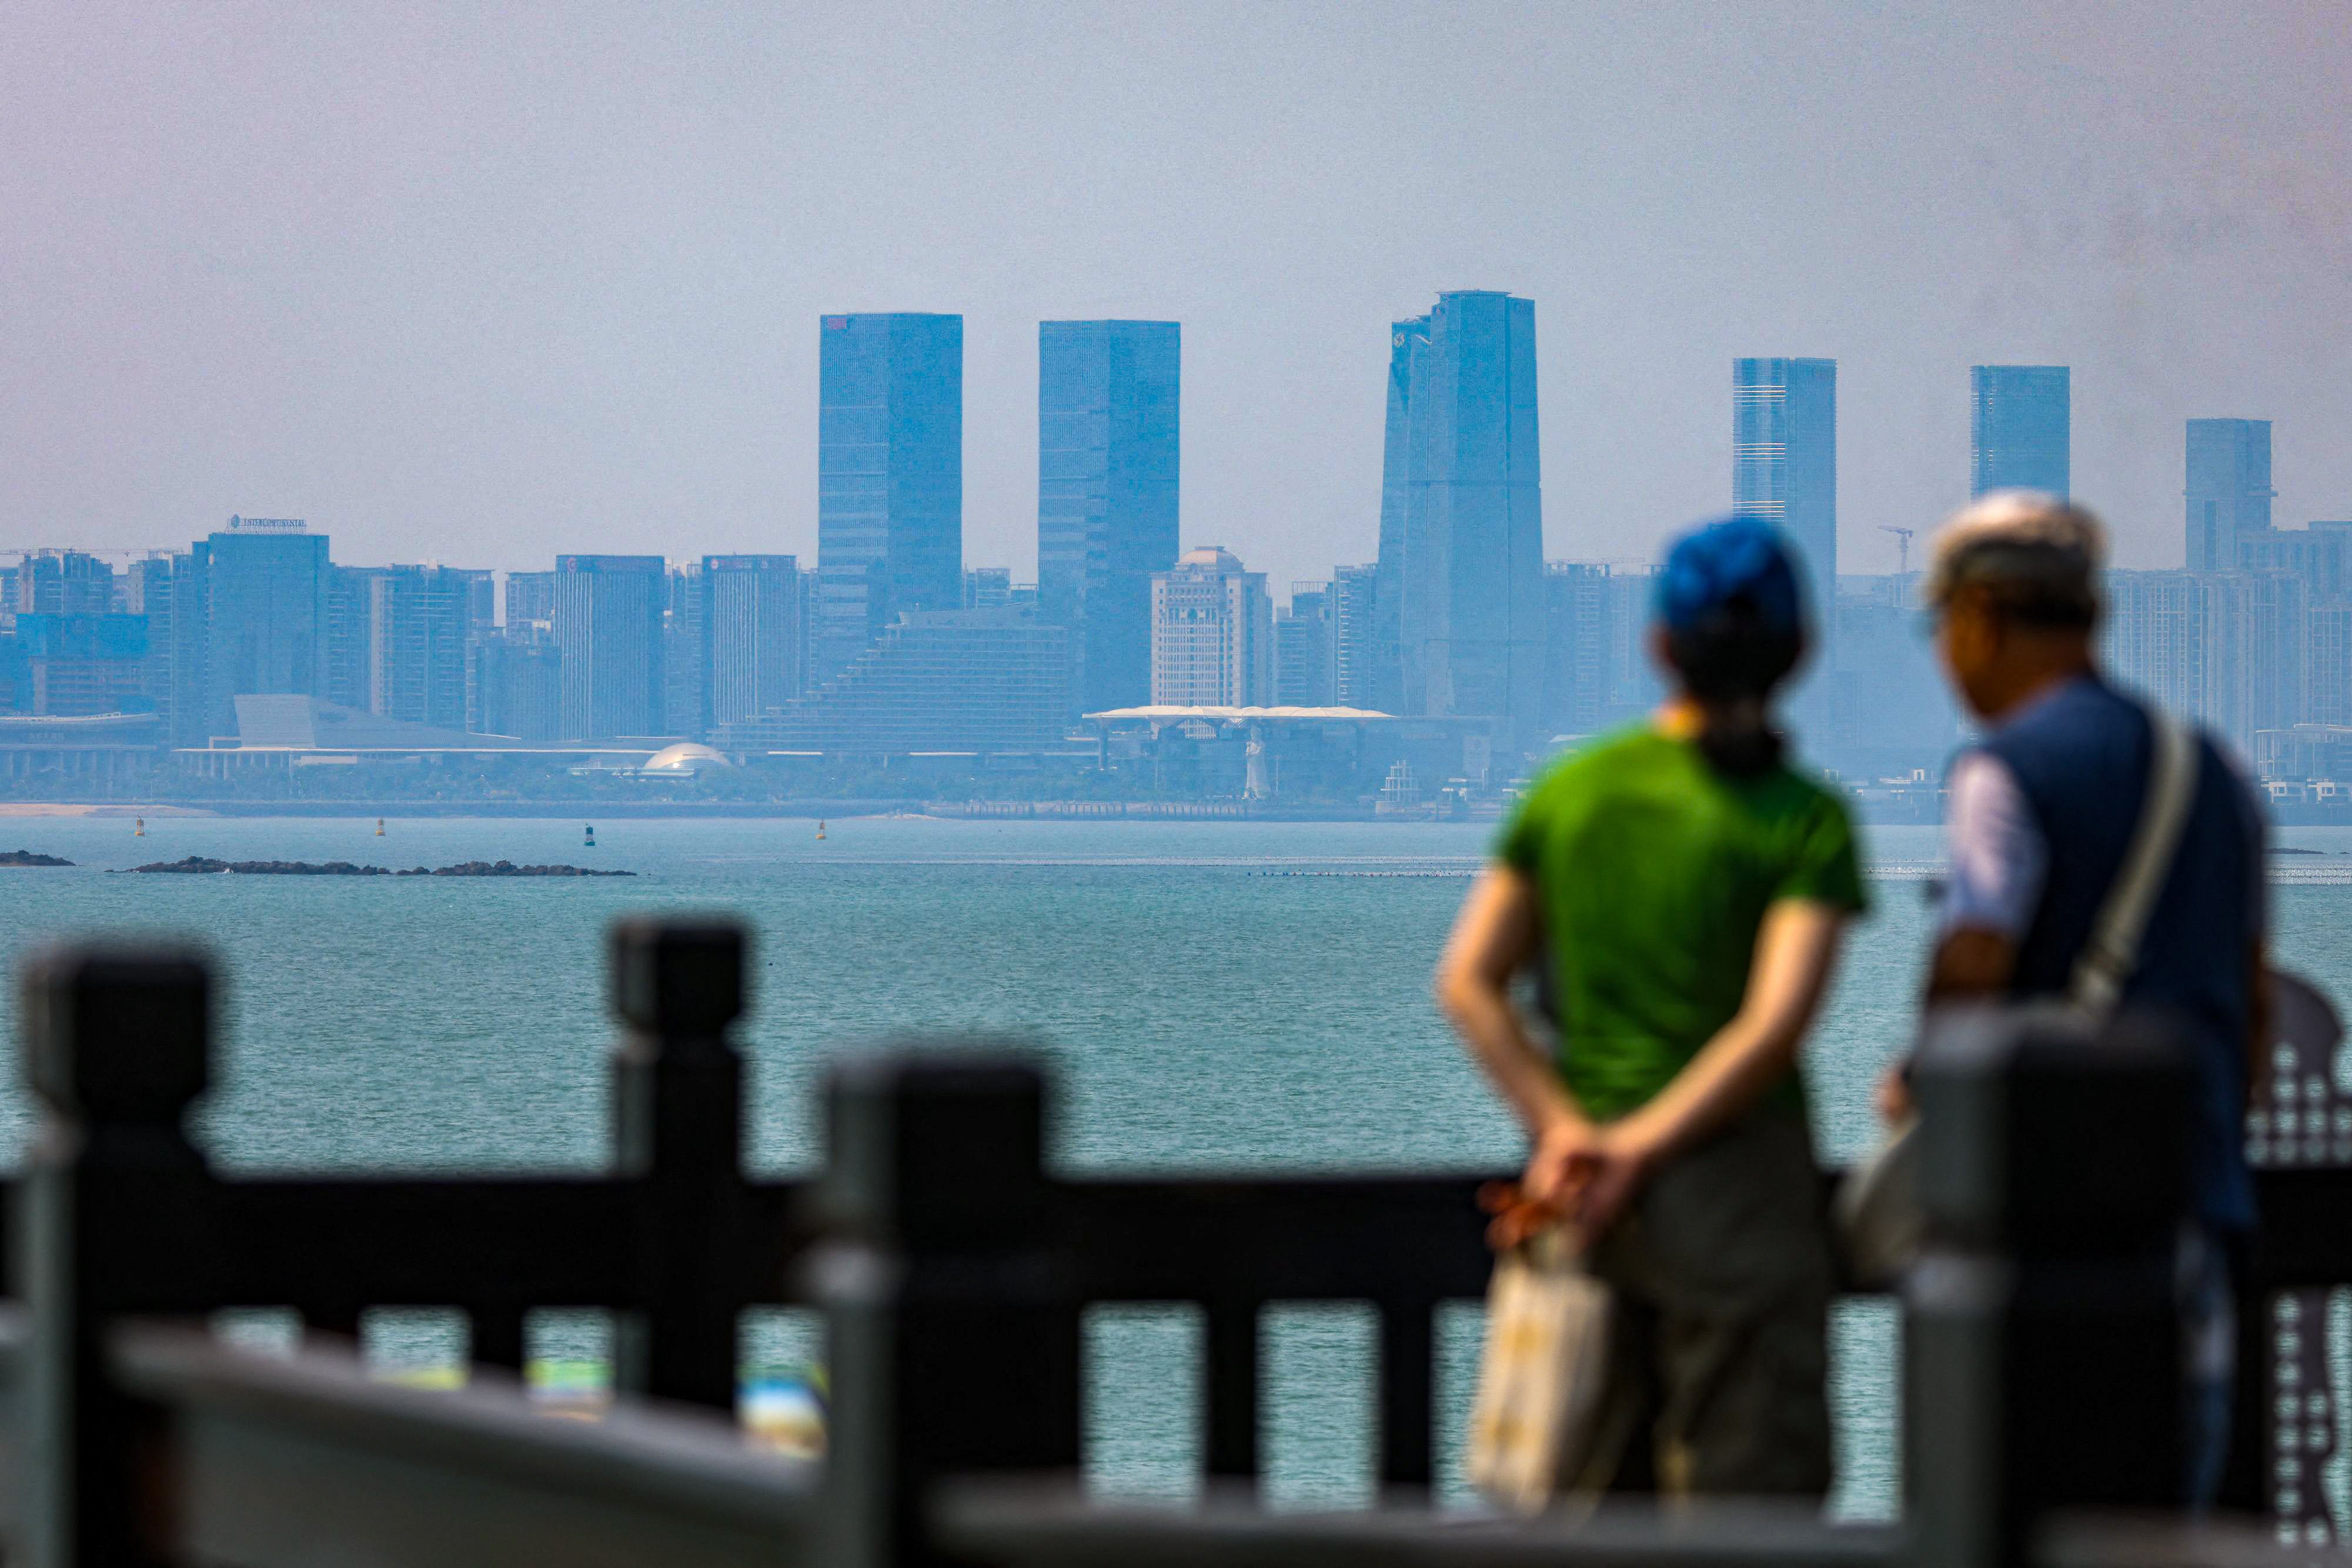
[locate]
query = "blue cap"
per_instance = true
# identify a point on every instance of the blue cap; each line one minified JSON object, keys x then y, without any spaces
{"x":1730,"y":559}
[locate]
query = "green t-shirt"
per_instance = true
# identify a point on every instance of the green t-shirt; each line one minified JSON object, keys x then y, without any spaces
{"x":1653,"y":872}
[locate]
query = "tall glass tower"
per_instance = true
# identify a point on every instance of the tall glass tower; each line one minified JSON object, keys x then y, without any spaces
{"x":608,"y":623}
{"x":1784,"y":456}
{"x":2229,"y":489}
{"x":1379,"y":673}
{"x":1472,"y":620}
{"x":1106,"y":495}
{"x":2022,"y":429}
{"x":264,"y":592}
{"x":889,"y":488}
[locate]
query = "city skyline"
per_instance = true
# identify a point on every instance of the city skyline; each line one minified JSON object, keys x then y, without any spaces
{"x":564,"y":305}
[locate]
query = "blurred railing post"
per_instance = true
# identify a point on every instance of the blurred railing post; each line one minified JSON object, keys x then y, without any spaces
{"x":678,"y":1087}
{"x":953,"y":1326}
{"x":113,"y":1216}
{"x":2042,"y":1347}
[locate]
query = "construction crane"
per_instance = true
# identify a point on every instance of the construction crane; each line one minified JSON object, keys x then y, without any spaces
{"x":1902,"y":544}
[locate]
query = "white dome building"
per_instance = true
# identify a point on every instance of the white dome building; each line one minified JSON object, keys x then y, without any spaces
{"x":684,"y":757}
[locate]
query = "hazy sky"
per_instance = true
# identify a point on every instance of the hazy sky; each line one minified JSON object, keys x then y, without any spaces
{"x":480,"y":283}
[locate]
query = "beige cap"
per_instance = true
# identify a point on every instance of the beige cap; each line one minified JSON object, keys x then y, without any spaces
{"x":2039,"y":556}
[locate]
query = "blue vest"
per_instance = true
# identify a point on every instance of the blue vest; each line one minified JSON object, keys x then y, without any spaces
{"x":2081,"y":758}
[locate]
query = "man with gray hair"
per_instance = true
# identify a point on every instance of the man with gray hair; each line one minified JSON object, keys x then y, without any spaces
{"x":2041,"y":813}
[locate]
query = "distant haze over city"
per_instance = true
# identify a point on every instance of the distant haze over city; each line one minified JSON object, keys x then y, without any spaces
{"x":488,"y":287}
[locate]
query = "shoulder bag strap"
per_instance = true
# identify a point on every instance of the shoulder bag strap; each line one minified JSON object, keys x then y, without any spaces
{"x":2113,"y":952}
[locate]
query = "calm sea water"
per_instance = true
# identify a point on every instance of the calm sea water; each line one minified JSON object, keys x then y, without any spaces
{"x":1203,"y":1004}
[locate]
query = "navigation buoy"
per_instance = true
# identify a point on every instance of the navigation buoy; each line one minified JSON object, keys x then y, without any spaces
{"x":379,"y":827}
{"x":590,"y":841}
{"x":820,"y":830}
{"x":141,"y":830}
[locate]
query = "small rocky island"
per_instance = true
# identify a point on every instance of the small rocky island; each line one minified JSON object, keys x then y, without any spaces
{"x":26,"y":857}
{"x":199,"y":865}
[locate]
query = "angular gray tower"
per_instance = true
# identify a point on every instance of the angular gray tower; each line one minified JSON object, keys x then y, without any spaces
{"x":1473,"y":578}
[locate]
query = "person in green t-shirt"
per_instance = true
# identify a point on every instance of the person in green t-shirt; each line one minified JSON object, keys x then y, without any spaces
{"x":1683,"y":889}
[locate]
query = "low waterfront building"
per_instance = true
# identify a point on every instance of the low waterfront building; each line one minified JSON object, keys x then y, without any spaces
{"x":976,"y":681}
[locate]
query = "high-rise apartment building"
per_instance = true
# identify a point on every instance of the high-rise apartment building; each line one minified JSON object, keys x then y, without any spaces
{"x":755,"y":631}
{"x":1355,"y":669}
{"x":1579,"y":683}
{"x":400,"y":640}
{"x":150,"y":590}
{"x":1108,"y":460}
{"x":1381,"y":680}
{"x":81,"y":664}
{"x":1212,"y":633}
{"x":530,"y":596}
{"x":2021,"y":427}
{"x":62,"y":582}
{"x":608,"y":622}
{"x":2161,"y":633}
{"x":518,"y":676}
{"x":889,"y":474}
{"x":1472,"y":580}
{"x":2229,"y":490}
{"x":2233,"y":650}
{"x":1784,"y":456}
{"x":263,"y":583}
{"x":1303,"y":648}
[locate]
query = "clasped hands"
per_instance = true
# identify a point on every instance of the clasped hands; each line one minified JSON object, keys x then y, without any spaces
{"x":1580,"y":1174}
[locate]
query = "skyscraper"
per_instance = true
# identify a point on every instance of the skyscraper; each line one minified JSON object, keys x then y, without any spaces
{"x":520,"y":679}
{"x":2229,"y":490}
{"x":530,"y":596}
{"x":1304,"y":647}
{"x":1472,"y":611}
{"x":2020,"y":429}
{"x":608,"y":620}
{"x":1212,"y":633}
{"x":1784,"y":456}
{"x":1108,"y":447}
{"x":264,"y":588}
{"x":1355,"y":606}
{"x":889,"y":507}
{"x":754,"y":632}
{"x":685,"y":653}
{"x":1380,"y":674}
{"x":1578,"y":681}
{"x":62,"y":582}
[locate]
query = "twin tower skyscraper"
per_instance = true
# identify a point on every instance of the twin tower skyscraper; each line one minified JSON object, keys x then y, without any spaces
{"x":1457,"y":621}
{"x":890,"y":486}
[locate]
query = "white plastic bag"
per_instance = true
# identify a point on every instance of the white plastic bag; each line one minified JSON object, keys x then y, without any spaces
{"x":1541,"y":1377}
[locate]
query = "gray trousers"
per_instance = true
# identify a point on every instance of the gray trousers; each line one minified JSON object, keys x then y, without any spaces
{"x":1723,"y":1275}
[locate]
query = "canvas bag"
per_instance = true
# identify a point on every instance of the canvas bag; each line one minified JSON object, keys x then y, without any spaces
{"x":1541,"y":1373}
{"x":1876,"y":1217}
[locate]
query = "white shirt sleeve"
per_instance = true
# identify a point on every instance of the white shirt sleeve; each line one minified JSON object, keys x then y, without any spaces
{"x":1995,"y":850}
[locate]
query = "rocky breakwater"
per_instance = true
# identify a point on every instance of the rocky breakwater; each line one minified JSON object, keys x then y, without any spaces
{"x":201,"y":865}
{"x":26,"y":857}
